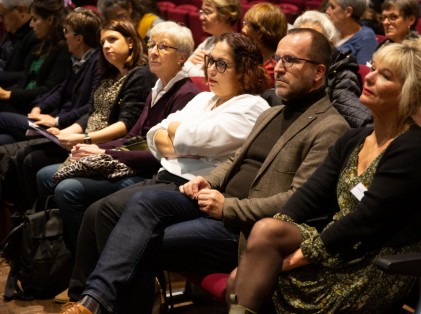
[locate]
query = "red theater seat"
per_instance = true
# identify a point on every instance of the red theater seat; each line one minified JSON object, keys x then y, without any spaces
{"x":180,"y":13}
{"x":164,"y":6}
{"x":195,"y":26}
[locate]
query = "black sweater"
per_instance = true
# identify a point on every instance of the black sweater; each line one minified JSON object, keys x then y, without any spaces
{"x":388,"y":215}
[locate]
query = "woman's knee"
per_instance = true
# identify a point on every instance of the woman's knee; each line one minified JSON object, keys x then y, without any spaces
{"x":273,"y":232}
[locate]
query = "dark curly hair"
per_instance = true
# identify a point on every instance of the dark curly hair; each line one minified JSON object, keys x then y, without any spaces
{"x":248,"y":61}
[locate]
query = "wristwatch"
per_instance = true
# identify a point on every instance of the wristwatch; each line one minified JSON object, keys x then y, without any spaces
{"x":87,"y":139}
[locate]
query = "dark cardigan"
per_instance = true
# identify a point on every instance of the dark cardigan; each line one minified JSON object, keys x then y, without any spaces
{"x":130,"y":99}
{"x":388,"y":214}
{"x":24,"y":43}
{"x":54,"y":70}
{"x":70,"y":100}
{"x":174,"y":99}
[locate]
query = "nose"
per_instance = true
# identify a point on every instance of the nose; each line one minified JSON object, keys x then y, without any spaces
{"x":212,"y":69}
{"x":329,"y":11}
{"x":279,"y":66}
{"x":370,"y":77}
{"x":106,"y":44}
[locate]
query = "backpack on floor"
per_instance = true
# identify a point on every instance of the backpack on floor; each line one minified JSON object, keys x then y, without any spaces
{"x":40,"y":263}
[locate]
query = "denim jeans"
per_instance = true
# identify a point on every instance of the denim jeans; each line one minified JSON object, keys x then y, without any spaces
{"x":74,"y":195}
{"x":132,"y":253}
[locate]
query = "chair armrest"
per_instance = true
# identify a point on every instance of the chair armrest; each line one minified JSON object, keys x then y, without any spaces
{"x":405,"y":264}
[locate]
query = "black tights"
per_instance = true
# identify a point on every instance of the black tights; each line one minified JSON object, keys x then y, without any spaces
{"x":257,"y":275}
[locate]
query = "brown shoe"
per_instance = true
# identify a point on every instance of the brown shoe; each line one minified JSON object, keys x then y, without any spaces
{"x":62,"y":297}
{"x":74,"y":308}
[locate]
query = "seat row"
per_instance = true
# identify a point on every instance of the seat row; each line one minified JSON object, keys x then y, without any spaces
{"x":187,"y":12}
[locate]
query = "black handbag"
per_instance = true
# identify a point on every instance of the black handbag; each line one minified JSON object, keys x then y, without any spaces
{"x":41,"y":265}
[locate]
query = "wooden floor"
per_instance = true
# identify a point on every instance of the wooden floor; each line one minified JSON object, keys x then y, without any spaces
{"x":48,"y":306}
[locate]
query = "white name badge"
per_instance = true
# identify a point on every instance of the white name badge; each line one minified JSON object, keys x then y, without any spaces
{"x":358,"y":191}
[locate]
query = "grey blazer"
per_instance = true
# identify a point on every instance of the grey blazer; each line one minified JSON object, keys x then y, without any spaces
{"x":295,"y":156}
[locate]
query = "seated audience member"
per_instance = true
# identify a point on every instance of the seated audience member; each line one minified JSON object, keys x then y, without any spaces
{"x":371,"y":18}
{"x":266,"y":24}
{"x":143,"y":14}
{"x":343,"y":83}
{"x":400,"y":18}
{"x":285,"y":146}
{"x":217,"y":17}
{"x":172,"y":92}
{"x":48,"y":65}
{"x":370,"y":184}
{"x":18,"y":41}
{"x":68,"y":101}
{"x":361,"y":40}
{"x":115,"y":106}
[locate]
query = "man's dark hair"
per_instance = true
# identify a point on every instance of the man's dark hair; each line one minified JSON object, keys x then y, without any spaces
{"x":319,"y":50}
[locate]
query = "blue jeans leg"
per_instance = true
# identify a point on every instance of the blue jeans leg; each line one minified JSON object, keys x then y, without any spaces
{"x":200,"y":246}
{"x":74,"y":195}
{"x":45,"y":183}
{"x":135,"y":242}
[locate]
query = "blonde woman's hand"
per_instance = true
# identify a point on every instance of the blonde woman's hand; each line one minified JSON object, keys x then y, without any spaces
{"x":294,"y":260}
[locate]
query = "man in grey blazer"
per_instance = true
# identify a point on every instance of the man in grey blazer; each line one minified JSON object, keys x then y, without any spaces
{"x":197,"y":230}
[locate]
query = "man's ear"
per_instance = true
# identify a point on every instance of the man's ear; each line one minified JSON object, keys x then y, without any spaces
{"x":320,"y":72}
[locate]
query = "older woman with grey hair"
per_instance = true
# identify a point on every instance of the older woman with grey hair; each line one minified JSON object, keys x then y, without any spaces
{"x":18,"y":42}
{"x":399,"y":18}
{"x":361,"y":40}
{"x":343,"y":81}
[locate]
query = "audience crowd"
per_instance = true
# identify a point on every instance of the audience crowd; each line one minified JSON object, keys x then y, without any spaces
{"x":226,"y":152}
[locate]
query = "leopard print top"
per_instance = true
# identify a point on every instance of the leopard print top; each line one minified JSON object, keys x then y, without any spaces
{"x":104,"y":98}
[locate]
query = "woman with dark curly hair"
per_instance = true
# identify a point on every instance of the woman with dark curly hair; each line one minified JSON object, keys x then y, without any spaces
{"x":189,"y":143}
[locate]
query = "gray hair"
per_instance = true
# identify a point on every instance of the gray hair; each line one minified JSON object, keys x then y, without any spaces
{"x":181,"y":35}
{"x":358,"y":7}
{"x":321,"y":20}
{"x":9,"y":4}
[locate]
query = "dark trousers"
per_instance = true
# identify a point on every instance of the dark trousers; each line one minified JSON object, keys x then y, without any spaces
{"x":152,"y":217}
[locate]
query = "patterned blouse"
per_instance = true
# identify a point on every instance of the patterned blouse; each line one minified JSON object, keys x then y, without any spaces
{"x":104,"y":97}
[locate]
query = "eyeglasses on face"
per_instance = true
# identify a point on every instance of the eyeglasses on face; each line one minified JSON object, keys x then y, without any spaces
{"x":66,"y":31}
{"x":160,"y":46}
{"x":288,"y":61}
{"x":205,"y":12}
{"x":220,"y":65}
{"x":391,"y":18}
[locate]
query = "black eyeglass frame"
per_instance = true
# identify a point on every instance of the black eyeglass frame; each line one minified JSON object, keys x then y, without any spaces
{"x":288,"y":61}
{"x":220,"y":65}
